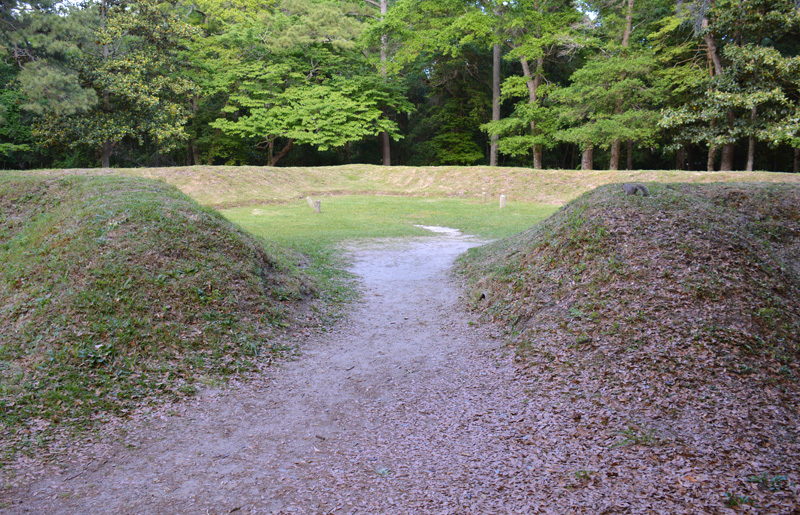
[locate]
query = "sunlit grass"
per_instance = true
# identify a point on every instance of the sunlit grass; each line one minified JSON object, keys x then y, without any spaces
{"x":349,"y":217}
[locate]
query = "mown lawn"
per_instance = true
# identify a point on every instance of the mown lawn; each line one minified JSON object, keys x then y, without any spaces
{"x":343,"y":218}
{"x":348,"y":217}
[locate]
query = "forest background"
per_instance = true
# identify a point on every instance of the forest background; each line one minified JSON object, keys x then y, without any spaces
{"x":692,"y":84}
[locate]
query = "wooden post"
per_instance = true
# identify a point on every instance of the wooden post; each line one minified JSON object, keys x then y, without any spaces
{"x":502,"y":201}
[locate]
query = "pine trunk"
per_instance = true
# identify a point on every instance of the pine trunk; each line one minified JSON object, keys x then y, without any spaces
{"x":751,"y":142}
{"x":728,"y":152}
{"x":282,"y":153}
{"x":196,"y":154}
{"x":495,"y":101}
{"x":629,"y":164}
{"x":105,"y":158}
{"x":713,"y":55}
{"x":613,"y":163}
{"x":626,"y":35}
{"x":587,"y":158}
{"x":680,"y":159}
{"x":533,"y":81}
{"x":712,"y":156}
{"x":386,"y":147}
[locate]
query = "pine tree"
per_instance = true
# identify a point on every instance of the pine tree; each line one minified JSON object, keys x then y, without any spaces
{"x":115,"y":78}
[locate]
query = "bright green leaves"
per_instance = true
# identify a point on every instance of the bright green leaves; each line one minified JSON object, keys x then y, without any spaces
{"x":302,"y":79}
{"x":325,"y":115}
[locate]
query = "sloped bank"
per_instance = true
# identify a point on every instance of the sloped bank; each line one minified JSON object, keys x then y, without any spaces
{"x":660,"y":336}
{"x":114,"y":290}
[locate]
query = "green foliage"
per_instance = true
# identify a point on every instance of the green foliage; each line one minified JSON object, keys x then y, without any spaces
{"x":113,"y":79}
{"x":241,"y":81}
{"x":307,"y":83}
{"x":757,"y":93}
{"x":15,"y":134}
{"x":610,"y":98}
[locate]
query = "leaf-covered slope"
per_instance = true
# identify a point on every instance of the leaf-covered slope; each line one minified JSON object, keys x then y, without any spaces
{"x":669,"y":324}
{"x":113,"y":289}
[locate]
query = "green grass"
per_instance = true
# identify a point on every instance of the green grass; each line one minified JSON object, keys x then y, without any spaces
{"x":350,"y":217}
{"x":117,"y":289}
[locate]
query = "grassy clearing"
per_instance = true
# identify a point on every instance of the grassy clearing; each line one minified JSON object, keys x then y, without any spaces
{"x":115,"y":289}
{"x":231,"y":186}
{"x":348,"y":217}
{"x":343,"y":218}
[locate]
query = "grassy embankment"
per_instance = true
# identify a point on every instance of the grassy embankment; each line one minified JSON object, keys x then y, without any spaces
{"x":236,"y":186}
{"x":115,"y":289}
{"x":663,"y":334}
{"x":379,"y":201}
{"x":100,"y":268}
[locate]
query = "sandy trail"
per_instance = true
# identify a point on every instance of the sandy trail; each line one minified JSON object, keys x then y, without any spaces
{"x":406,"y":407}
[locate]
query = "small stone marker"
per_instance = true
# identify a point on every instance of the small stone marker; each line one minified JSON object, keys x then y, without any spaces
{"x":316,"y":205}
{"x":502,"y":201}
{"x":483,"y":197}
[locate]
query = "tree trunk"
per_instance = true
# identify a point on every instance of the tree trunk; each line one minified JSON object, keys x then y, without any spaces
{"x":105,"y":156}
{"x":495,"y":101}
{"x":712,"y":156}
{"x":194,"y":151}
{"x":728,"y":150}
{"x":711,"y":48}
{"x":105,"y":159}
{"x":613,"y":163}
{"x":713,"y":55}
{"x":751,"y":153}
{"x":587,"y":159}
{"x":282,"y":153}
{"x":533,"y":81}
{"x":751,"y":141}
{"x":680,"y":159}
{"x":796,"y":164}
{"x":629,"y":164}
{"x":626,"y":34}
{"x":386,"y":147}
{"x":726,"y":163}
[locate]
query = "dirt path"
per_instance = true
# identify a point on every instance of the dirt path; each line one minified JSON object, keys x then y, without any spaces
{"x":407,"y":407}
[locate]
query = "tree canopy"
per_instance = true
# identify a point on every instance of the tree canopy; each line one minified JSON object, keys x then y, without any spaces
{"x":711,"y":84}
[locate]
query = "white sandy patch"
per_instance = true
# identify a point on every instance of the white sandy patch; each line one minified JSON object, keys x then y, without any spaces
{"x":440,"y":230}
